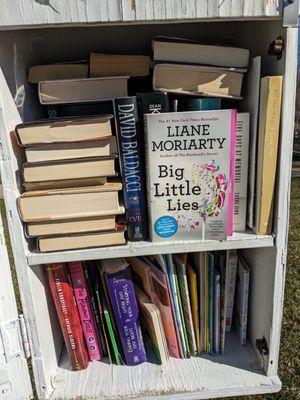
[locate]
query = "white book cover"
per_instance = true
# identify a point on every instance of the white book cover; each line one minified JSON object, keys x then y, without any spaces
{"x":231,"y":266}
{"x":190,"y":174}
{"x":250,"y":104}
{"x":242,"y":297}
{"x":241,"y":172}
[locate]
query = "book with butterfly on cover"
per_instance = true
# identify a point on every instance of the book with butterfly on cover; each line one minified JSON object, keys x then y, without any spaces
{"x":190,"y":174}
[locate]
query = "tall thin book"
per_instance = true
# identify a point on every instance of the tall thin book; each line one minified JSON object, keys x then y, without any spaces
{"x":63,"y":296}
{"x":85,"y":310}
{"x":268,"y":138}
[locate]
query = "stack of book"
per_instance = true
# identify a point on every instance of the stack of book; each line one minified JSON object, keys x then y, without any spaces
{"x":177,"y":305}
{"x":202,"y":135}
{"x":68,"y":202}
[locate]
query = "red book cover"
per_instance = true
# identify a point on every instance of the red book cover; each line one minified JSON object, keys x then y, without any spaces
{"x":68,"y":315}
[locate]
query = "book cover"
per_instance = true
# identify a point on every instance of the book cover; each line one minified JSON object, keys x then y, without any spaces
{"x":268,"y":138}
{"x":242,"y":297}
{"x":85,"y":310}
{"x":186,"y":304}
{"x":230,"y":279}
{"x":153,"y":325}
{"x":241,"y":171}
{"x":162,"y":300}
{"x":190,"y":172}
{"x":193,"y":290}
{"x":152,"y":103}
{"x":124,"y":304}
{"x":132,"y":167}
{"x":68,"y":316}
{"x":221,"y":266}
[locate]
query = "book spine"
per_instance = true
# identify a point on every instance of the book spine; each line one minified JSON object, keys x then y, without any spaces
{"x":186,"y":306}
{"x":132,"y":168}
{"x":231,"y":173}
{"x":109,"y":319}
{"x":85,"y":310}
{"x":125,"y":308}
{"x":217,"y":316}
{"x":95,"y":307}
{"x":244,"y":306}
{"x":230,"y":289}
{"x":63,"y":296}
{"x":241,"y":172}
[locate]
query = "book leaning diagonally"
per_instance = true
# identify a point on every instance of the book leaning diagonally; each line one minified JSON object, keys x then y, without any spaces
{"x":268,"y":138}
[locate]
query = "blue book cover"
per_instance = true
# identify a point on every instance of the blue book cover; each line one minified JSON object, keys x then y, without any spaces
{"x":124,"y":304}
{"x":130,"y":143}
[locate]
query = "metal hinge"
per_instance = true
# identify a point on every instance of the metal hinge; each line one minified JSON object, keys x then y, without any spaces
{"x":284,"y":257}
{"x":14,"y":339}
{"x":290,"y":13}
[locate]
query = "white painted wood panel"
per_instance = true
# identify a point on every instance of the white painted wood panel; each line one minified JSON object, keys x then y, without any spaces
{"x":195,"y":378}
{"x":14,"y":375}
{"x":238,"y":240}
{"x":14,"y":13}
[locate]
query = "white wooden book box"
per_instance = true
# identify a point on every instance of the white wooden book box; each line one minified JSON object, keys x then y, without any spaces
{"x":32,"y":32}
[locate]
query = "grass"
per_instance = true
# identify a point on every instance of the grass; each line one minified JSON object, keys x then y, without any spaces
{"x":289,"y":361}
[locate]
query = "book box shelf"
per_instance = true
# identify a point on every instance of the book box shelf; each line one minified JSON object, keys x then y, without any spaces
{"x":242,"y":370}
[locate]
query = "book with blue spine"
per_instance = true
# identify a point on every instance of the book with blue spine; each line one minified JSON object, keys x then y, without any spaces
{"x":130,"y":144}
{"x":124,"y":304}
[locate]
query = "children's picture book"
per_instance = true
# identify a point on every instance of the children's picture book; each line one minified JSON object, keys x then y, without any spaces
{"x":190,"y":174}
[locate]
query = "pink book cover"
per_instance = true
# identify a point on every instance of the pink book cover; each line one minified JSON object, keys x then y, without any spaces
{"x":85,"y":311}
{"x":163,"y":303}
{"x":231,"y":177}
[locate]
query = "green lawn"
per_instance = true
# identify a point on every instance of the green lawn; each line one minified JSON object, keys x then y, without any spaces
{"x":289,"y":365}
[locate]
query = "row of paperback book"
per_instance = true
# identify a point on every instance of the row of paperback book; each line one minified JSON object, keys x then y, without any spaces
{"x":181,"y":155}
{"x":128,"y":311}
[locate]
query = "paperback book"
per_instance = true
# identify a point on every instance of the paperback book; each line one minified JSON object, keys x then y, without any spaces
{"x":190,"y":174}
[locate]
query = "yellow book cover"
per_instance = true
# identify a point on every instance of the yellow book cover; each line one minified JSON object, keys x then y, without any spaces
{"x":268,"y":138}
{"x":193,"y":291}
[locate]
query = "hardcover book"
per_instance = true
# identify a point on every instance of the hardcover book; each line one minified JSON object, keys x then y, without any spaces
{"x":85,"y":310}
{"x":132,"y":168}
{"x":63,"y":296}
{"x":124,"y":304}
{"x":190,"y":174}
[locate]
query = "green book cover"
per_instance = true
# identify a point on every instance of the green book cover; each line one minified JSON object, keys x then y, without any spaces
{"x":109,"y":319}
{"x":185,"y":342}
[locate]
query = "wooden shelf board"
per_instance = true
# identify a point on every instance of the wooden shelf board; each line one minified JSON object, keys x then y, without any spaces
{"x":243,"y":240}
{"x":237,"y":372}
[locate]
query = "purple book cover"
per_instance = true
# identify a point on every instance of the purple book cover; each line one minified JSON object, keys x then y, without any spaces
{"x":125,"y":308}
